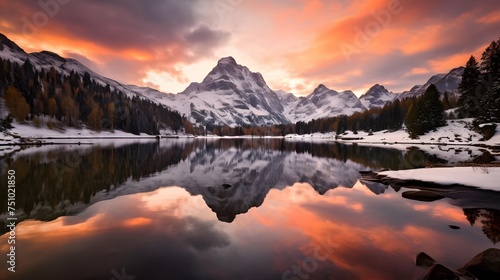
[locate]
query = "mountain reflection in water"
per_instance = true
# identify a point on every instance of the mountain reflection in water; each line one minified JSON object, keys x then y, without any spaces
{"x":143,"y":207}
{"x":62,"y":181}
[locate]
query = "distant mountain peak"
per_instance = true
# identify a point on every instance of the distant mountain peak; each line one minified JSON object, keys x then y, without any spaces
{"x":321,"y":87}
{"x":377,"y":86}
{"x":286,"y":97}
{"x":320,"y":90}
{"x":444,"y":82}
{"x":227,"y":60}
{"x":323,"y":102}
{"x":377,"y":96}
{"x":376,"y":89}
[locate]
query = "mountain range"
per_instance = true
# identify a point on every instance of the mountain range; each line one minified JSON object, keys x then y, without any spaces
{"x":233,"y":95}
{"x":444,"y":82}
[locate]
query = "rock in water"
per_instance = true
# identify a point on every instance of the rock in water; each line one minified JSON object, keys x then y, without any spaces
{"x":485,"y":265}
{"x":425,"y":196}
{"x":424,"y":260}
{"x":440,"y":272}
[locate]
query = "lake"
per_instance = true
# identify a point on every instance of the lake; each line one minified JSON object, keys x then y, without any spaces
{"x":233,"y":209}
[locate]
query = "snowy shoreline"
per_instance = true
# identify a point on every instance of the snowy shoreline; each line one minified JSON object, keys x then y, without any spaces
{"x":486,"y":178}
{"x":456,"y":133}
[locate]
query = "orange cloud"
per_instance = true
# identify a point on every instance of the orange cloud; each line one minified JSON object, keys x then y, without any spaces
{"x":493,"y":17}
{"x":419,"y":71}
{"x":312,"y":41}
{"x":426,"y":39}
{"x":136,"y":222}
{"x":455,"y":60}
{"x":442,"y":210}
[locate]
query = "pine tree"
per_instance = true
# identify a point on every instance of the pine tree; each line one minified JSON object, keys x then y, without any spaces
{"x":426,"y":113}
{"x":489,"y":87}
{"x":342,"y":125}
{"x":469,"y":100}
{"x":433,"y":108}
{"x":490,"y":61}
{"x":472,"y":215}
{"x":413,"y":121}
{"x":395,"y":115}
{"x":446,"y":101}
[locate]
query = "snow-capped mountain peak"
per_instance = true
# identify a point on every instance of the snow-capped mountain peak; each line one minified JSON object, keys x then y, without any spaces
{"x":324,"y":102}
{"x":286,"y":97}
{"x":227,"y":60}
{"x":228,"y":70}
{"x":377,"y":96}
{"x":321,"y":88}
{"x":444,"y":82}
{"x":231,"y":95}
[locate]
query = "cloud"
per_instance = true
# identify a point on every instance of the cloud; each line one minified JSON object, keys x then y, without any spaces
{"x":127,"y":37}
{"x":492,"y":17}
{"x":202,"y":36}
{"x":313,"y":42}
{"x":388,"y":45}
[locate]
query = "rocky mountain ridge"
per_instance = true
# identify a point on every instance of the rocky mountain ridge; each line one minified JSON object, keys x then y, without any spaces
{"x":233,"y":95}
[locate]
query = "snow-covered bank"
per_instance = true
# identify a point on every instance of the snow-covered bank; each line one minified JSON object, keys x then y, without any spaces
{"x":456,"y":142}
{"x":22,"y":136}
{"x":456,"y":132}
{"x":70,"y":135}
{"x":30,"y":132}
{"x":481,"y":177}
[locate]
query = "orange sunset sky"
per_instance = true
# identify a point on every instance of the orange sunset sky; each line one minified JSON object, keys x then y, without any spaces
{"x":295,"y":44}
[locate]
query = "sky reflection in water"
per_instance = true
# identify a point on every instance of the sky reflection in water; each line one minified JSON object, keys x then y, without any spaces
{"x":170,"y":233}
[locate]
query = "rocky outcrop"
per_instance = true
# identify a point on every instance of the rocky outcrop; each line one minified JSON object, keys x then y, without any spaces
{"x":485,"y":265}
{"x":424,"y":260}
{"x":425,"y":196}
{"x":440,"y":272}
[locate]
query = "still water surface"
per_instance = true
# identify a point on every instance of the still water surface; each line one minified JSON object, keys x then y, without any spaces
{"x":232,"y":209}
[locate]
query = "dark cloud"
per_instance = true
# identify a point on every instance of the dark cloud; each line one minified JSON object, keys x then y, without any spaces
{"x":125,"y":39}
{"x":171,"y":30}
{"x":204,"y":242}
{"x":131,"y":23}
{"x":204,"y":34}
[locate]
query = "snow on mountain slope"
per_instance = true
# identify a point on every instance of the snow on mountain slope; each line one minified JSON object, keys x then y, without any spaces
{"x":377,"y":96}
{"x":444,"y":82}
{"x":286,"y":97}
{"x":289,"y":101}
{"x":232,"y":95}
{"x":324,"y":102}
